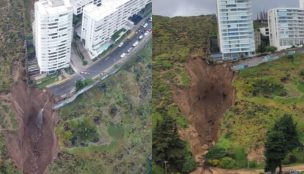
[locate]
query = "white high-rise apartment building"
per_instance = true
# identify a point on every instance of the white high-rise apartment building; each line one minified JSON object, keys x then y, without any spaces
{"x":78,"y":5}
{"x":286,"y":27}
{"x":100,"y":23}
{"x":53,"y":33}
{"x":236,"y":31}
{"x":301,"y":2}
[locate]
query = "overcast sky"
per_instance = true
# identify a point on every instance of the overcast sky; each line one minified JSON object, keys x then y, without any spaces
{"x":198,"y":7}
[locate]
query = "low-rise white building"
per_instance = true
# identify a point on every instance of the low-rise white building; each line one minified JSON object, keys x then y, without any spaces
{"x":53,"y":33}
{"x":78,"y":5}
{"x":286,"y":27}
{"x":100,"y":23}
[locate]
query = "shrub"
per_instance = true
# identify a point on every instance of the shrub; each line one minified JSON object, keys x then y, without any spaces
{"x":80,"y":84}
{"x":252,"y":164}
{"x":189,"y":164}
{"x":267,"y":88}
{"x":302,"y":73}
{"x":227,"y":163}
{"x":214,"y":162}
{"x":271,"y":49}
{"x":216,"y":153}
{"x":83,"y":131}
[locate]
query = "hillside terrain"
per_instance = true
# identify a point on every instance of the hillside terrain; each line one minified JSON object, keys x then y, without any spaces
{"x":103,"y":130}
{"x":179,"y":44}
{"x":108,"y":129}
{"x":221,"y":116}
{"x":264,"y":94}
{"x":11,"y":56}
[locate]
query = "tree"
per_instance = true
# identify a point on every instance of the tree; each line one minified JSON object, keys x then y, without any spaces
{"x":167,"y":146}
{"x":82,"y":83}
{"x":79,"y":85}
{"x":271,"y":49}
{"x":280,"y":140}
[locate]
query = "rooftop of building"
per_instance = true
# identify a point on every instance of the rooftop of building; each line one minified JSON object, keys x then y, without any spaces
{"x":107,"y":8}
{"x":53,"y":6}
{"x":80,"y":2}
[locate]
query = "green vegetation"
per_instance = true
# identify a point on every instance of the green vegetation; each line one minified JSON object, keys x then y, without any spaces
{"x":169,"y":148}
{"x":264,"y":94}
{"x":281,"y":139}
{"x":12,"y":34}
{"x":108,"y":128}
{"x":80,"y":84}
{"x":118,"y":34}
{"x":11,"y":43}
{"x":6,"y":164}
{"x":46,"y":81}
{"x":147,"y":10}
{"x":80,"y":132}
{"x":174,"y":41}
{"x":267,"y":88}
{"x":271,"y":49}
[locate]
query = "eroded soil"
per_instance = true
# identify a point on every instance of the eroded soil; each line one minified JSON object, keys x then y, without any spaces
{"x":210,"y":94}
{"x":33,"y":145}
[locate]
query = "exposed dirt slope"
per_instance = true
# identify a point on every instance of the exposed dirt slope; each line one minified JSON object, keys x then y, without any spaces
{"x":33,"y":146}
{"x":211,"y":93}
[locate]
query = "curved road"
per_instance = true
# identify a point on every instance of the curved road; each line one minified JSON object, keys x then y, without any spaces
{"x":102,"y":65}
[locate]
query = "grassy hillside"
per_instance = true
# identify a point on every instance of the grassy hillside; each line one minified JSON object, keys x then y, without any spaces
{"x":174,"y":41}
{"x":11,"y":40}
{"x":11,"y":52}
{"x":108,"y":129}
{"x":264,"y":94}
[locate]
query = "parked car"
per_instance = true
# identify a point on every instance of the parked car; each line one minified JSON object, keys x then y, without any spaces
{"x":140,"y":37}
{"x":121,"y":44}
{"x":130,"y":49}
{"x":135,"y":44}
{"x":123,"y":55}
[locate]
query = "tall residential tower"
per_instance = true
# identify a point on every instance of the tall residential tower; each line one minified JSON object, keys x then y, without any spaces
{"x":53,"y":34}
{"x":100,"y":23}
{"x":236,"y":31}
{"x":286,"y":26}
{"x":301,"y":2}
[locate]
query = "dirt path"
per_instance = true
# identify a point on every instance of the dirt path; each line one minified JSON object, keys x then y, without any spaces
{"x":34,"y":145}
{"x":211,"y":93}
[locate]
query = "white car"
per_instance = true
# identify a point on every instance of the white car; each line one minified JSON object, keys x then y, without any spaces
{"x":135,"y":44}
{"x":146,"y":33}
{"x":123,"y":55}
{"x":140,"y":37}
{"x":145,"y":25}
{"x":130,"y":49}
{"x":121,"y":44}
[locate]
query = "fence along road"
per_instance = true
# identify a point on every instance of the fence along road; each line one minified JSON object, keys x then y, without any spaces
{"x":100,"y":77}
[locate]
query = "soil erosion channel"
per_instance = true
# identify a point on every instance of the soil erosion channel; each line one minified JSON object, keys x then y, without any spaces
{"x":33,"y":145}
{"x":204,"y":103}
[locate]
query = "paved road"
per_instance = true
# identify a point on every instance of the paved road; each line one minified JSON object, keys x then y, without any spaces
{"x":101,"y":65}
{"x":251,"y":62}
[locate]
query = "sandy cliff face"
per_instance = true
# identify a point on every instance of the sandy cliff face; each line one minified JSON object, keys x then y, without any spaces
{"x":33,"y":145}
{"x":204,"y":103}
